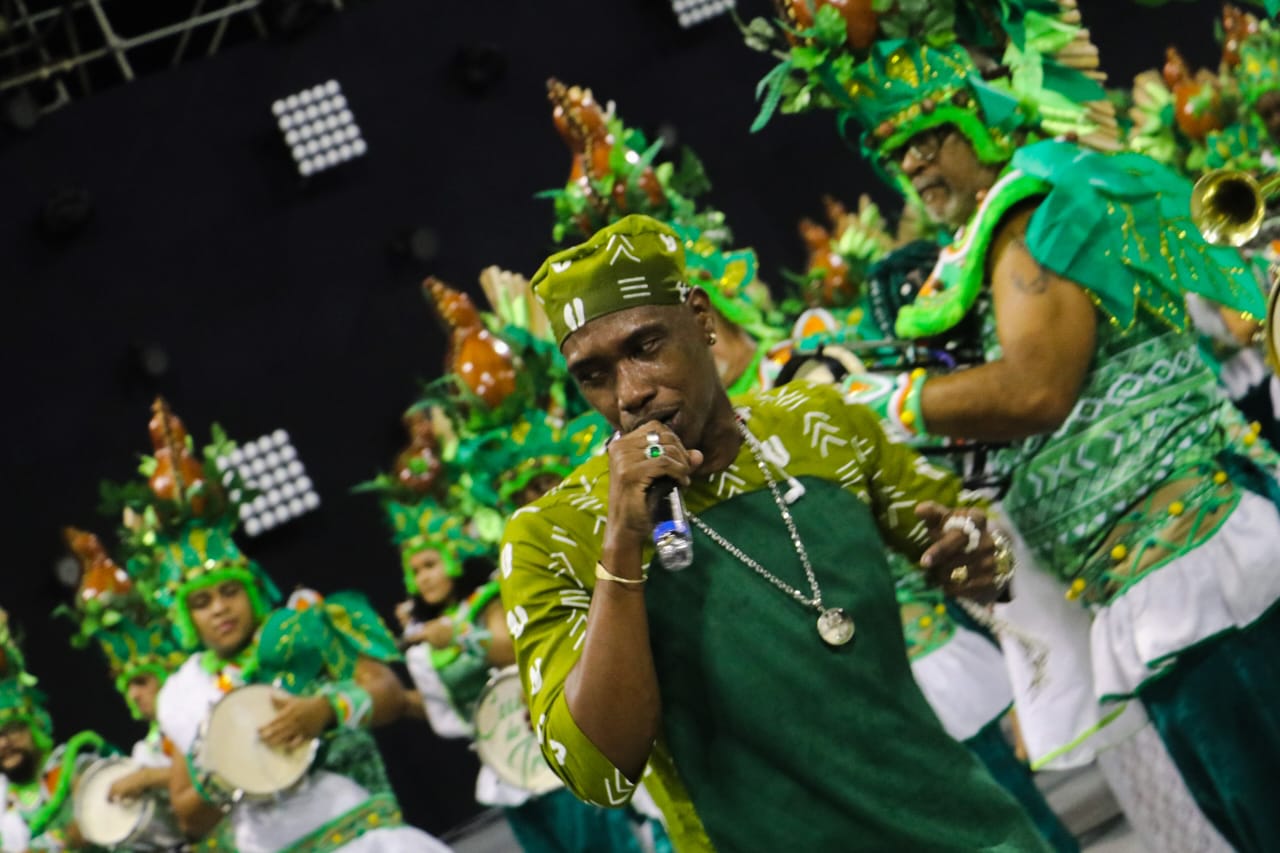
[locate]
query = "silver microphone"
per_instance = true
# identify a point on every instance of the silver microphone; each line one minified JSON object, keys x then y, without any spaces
{"x":672,"y":536}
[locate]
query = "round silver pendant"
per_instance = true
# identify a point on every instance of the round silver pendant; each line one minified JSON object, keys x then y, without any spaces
{"x":835,"y":626}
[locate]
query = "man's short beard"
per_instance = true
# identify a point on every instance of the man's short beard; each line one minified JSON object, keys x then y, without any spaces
{"x":24,"y":772}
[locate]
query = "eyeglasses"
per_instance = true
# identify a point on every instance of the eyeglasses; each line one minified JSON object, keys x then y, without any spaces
{"x":923,"y":147}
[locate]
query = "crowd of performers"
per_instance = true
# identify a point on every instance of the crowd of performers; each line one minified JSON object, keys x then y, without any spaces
{"x":1014,"y":453}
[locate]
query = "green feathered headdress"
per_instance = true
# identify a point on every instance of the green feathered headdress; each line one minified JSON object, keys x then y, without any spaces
{"x":20,"y":700}
{"x":1259,"y":69}
{"x":199,"y":557}
{"x":501,"y":462}
{"x":115,"y":611}
{"x":133,"y":649}
{"x":428,"y":525}
{"x":926,"y":69}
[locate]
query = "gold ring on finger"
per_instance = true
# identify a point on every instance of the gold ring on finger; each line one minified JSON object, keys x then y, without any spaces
{"x":959,"y":574}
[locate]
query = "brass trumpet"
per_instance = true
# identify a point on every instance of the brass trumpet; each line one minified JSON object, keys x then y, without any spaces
{"x":1228,"y":206}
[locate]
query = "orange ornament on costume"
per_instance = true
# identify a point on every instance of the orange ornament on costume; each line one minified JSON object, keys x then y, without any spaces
{"x":178,"y":475}
{"x":418,"y":465}
{"x":100,"y":577}
{"x":477,"y":356}
{"x":859,"y":17}
{"x":584,"y":127}
{"x":1195,"y":116}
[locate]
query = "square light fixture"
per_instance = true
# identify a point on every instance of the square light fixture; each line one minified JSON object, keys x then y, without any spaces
{"x":319,"y":128}
{"x":270,"y":466}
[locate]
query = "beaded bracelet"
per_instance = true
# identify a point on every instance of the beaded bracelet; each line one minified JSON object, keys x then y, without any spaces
{"x":474,"y":641}
{"x":352,"y":705}
{"x":905,"y":411}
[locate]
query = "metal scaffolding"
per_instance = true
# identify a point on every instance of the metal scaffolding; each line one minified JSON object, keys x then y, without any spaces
{"x":48,"y":46}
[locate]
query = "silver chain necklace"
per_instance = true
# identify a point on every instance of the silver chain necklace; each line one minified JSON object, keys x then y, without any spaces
{"x":835,"y":625}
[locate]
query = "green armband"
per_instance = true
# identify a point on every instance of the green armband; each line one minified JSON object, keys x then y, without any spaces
{"x":200,"y":781}
{"x":352,"y":705}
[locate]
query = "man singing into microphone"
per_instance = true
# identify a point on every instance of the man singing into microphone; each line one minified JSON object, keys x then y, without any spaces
{"x":763,"y":693}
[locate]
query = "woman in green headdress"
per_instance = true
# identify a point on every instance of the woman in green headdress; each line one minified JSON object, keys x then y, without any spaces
{"x":328,"y":657}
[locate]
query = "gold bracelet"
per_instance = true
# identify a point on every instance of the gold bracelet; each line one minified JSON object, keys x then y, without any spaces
{"x":604,"y":574}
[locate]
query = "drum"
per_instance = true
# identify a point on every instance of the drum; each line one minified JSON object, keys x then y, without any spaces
{"x":239,"y":764}
{"x":141,"y":824}
{"x":504,"y":739}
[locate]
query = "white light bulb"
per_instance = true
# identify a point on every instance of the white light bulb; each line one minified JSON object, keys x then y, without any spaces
{"x":258,"y":466}
{"x":295,"y":467}
{"x":344,"y":152}
{"x":312,"y":146}
{"x":273,"y":459}
{"x":303,"y":483}
{"x":291,"y":102}
{"x":285,"y":122}
{"x":317,"y":128}
{"x":264,"y":444}
{"x":338,"y":103}
{"x":259,"y":503}
{"x":299,"y":152}
{"x":304,"y":97}
{"x":296,"y":507}
{"x":273,"y":496}
{"x":304,"y":168}
{"x":331,"y":158}
{"x":288,"y":491}
{"x":311,"y":112}
{"x":358,"y":147}
{"x":278,"y":107}
{"x":317,"y":91}
{"x":346,"y":117}
{"x":236,"y":457}
{"x":280,"y":438}
{"x":292,"y":137}
{"x":245,"y":512}
{"x":311,"y":500}
{"x":252,"y":527}
{"x":332,"y":87}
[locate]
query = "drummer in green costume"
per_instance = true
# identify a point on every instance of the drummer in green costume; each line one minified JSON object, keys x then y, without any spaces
{"x":1131,"y":474}
{"x":329,"y":659}
{"x":36,"y":776}
{"x":634,"y":672}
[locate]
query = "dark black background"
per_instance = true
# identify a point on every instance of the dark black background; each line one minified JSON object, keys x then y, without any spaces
{"x":280,"y":305}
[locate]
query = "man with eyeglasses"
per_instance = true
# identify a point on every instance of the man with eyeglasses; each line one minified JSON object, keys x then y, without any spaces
{"x":1132,"y":478}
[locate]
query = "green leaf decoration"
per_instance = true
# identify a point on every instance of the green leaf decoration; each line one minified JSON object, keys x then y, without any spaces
{"x":771,"y":86}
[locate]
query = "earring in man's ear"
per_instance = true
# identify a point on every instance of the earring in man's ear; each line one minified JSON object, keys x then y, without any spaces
{"x":711,"y":339}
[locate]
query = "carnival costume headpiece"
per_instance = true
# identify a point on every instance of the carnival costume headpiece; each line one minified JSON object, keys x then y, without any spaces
{"x":132,"y":629}
{"x":200,"y":556}
{"x":614,"y":173}
{"x":427,"y":525}
{"x":468,"y":460}
{"x":1205,"y":120}
{"x":179,"y":533}
{"x":20,"y":700}
{"x":913,"y":67}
